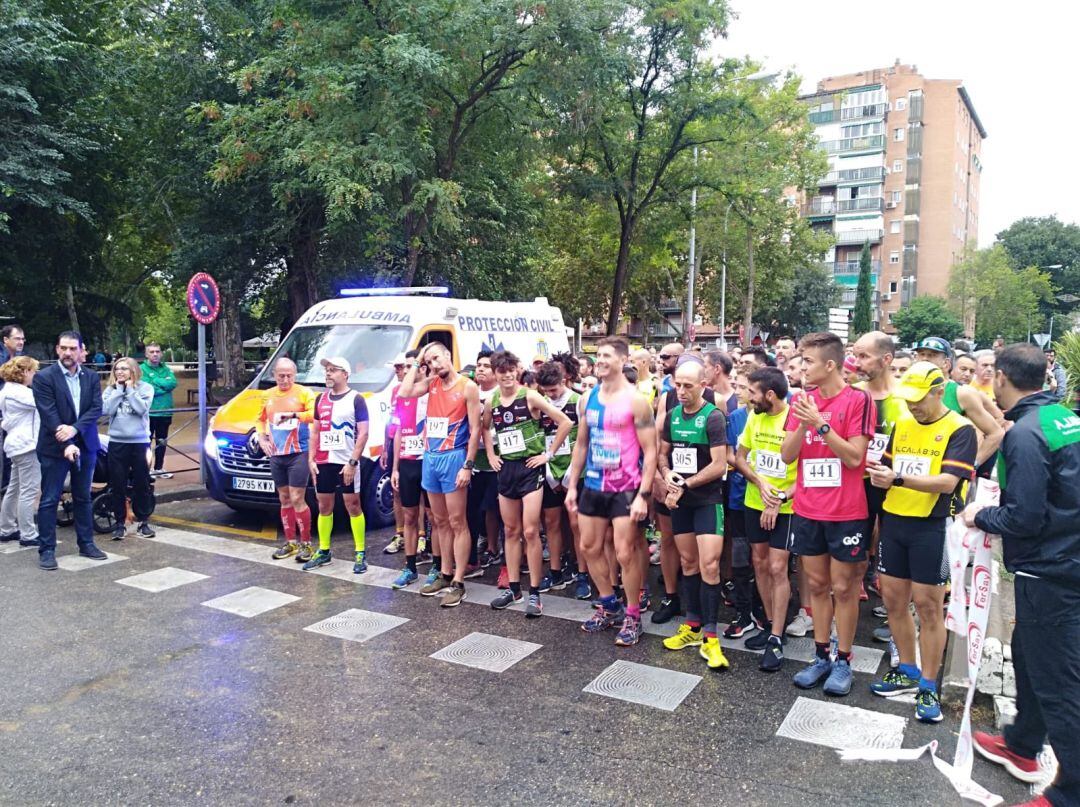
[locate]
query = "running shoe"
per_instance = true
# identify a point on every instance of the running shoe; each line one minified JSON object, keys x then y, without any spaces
{"x":305,"y":552}
{"x":654,"y":556}
{"x":728,"y":593}
{"x":421,"y":544}
{"x":713,"y":655}
{"x":928,"y":706}
{"x":504,"y":579}
{"x":145,"y":530}
{"x":553,"y":581}
{"x":582,"y":588}
{"x":811,"y":676}
{"x":473,"y":571}
{"x":397,"y":543}
{"x":534,"y":609}
{"x":489,"y":559}
{"x":406,"y":578}
{"x":670,"y":607}
{"x":505,"y":599}
{"x":439,"y":584}
{"x":881,"y":612}
{"x":993,"y":748}
{"x":119,"y":533}
{"x":882,"y":634}
{"x":454,"y":597}
{"x":602,"y":619}
{"x":360,"y":563}
{"x":286,"y":550}
{"x":894,"y":682}
{"x":863,"y":596}
{"x":772,"y":659}
{"x":652,"y":535}
{"x":630,"y":632}
{"x":320,"y":558}
{"x":759,"y":639}
{"x":644,"y":600}
{"x":423,"y":558}
{"x":839,"y":681}
{"x":684,"y":637}
{"x":432,"y":576}
{"x":801,"y":625}
{"x":742,"y":625}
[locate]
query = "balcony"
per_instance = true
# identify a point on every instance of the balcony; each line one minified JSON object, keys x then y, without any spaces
{"x":848,"y":144}
{"x":819,"y":207}
{"x":864,"y":111}
{"x":859,"y":236}
{"x":874,"y":203}
{"x":874,"y":173}
{"x":852,"y":268}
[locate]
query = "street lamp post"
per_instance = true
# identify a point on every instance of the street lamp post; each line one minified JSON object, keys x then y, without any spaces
{"x":689,"y":319}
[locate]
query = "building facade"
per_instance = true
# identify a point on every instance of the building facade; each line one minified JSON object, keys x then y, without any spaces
{"x":904,"y":173}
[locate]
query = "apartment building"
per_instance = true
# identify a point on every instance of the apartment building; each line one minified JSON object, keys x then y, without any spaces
{"x":904,"y":172}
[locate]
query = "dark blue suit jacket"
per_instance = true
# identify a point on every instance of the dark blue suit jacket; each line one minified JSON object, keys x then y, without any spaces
{"x":56,"y":407}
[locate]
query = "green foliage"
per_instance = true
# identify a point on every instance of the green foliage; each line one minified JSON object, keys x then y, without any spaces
{"x":1005,"y":299}
{"x":1045,"y":242}
{"x":804,"y":307}
{"x":926,"y":316}
{"x":862,"y":319}
{"x":1067,"y":350}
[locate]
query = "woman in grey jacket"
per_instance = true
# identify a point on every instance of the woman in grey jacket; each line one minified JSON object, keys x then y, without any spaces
{"x":126,"y":402}
{"x":21,"y":425}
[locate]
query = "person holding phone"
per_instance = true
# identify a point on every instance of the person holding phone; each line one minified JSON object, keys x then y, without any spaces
{"x":126,"y":402}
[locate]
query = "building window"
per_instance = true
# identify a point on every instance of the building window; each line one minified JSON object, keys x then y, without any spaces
{"x":901,"y":104}
{"x":894,"y":257}
{"x":898,"y":134}
{"x":897,"y":166}
{"x":897,"y":196}
{"x":894,"y":226}
{"x":892,"y":287}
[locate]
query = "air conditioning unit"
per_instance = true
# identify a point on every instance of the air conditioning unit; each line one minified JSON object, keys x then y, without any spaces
{"x":887,"y":296}
{"x":891,"y":204}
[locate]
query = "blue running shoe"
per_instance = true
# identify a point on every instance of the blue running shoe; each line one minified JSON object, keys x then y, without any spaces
{"x":811,"y":676}
{"x":554,"y":581}
{"x":894,"y":682}
{"x":406,"y":578}
{"x":360,"y":565}
{"x":320,"y":558}
{"x":432,"y":576}
{"x":928,"y":706}
{"x":839,"y":681}
{"x":582,"y":589}
{"x":602,"y":619}
{"x":630,"y":633}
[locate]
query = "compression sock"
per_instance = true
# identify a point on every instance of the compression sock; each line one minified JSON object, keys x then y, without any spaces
{"x":711,"y":596}
{"x":303,"y":519}
{"x":359,"y":530}
{"x":927,"y":684}
{"x":822,"y":649}
{"x":325,"y":525}
{"x":288,"y":522}
{"x":691,"y":586}
{"x":410,"y":563}
{"x":515,"y":588}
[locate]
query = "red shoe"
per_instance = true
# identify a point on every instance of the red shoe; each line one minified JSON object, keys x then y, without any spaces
{"x":863,"y":596}
{"x":993,"y":748}
{"x":504,"y":579}
{"x":1038,"y":801}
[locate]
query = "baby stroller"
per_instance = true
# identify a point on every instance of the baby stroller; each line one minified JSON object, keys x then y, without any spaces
{"x":104,"y":518}
{"x":65,"y":511}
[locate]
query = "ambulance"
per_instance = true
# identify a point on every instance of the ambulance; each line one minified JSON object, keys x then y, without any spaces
{"x":370,"y":328}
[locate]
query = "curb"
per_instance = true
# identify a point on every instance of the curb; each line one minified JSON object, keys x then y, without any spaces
{"x":181,"y":494}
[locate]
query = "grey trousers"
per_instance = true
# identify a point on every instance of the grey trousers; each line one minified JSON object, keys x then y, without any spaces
{"x":20,"y":499}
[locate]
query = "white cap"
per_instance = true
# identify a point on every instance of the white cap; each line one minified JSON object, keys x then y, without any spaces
{"x":337,"y":361}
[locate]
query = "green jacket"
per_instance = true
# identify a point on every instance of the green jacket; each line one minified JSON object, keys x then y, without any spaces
{"x":162,"y":379}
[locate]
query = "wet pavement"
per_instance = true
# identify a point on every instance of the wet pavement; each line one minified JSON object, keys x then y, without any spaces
{"x":165,"y":689}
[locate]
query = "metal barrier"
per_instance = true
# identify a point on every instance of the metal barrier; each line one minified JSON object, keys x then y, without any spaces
{"x":197,"y":460}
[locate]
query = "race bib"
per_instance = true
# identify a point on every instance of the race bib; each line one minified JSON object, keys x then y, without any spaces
{"x":564,"y":449}
{"x":910,"y":465}
{"x":288,"y":424}
{"x":438,"y":428}
{"x":511,"y":442}
{"x":605,"y":452}
{"x":821,"y":473}
{"x":876,"y":449}
{"x":331,"y":440}
{"x":768,"y":463}
{"x":684,"y":460}
{"x":412,"y":445}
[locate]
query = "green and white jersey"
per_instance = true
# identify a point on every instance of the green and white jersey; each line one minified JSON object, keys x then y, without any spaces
{"x":518,"y":435}
{"x":559,"y":465}
{"x":692,"y":437}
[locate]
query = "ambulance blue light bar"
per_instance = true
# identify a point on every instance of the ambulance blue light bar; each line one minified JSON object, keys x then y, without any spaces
{"x":397,"y":291}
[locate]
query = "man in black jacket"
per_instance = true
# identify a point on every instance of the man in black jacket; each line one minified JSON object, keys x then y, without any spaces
{"x":68,"y":399}
{"x":1039,"y":522}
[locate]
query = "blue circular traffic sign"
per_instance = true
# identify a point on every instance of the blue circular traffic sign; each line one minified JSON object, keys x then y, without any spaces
{"x":203,"y":298}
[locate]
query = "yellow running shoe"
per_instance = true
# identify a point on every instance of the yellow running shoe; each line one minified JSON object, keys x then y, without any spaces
{"x":713,"y":655}
{"x":684,"y":637}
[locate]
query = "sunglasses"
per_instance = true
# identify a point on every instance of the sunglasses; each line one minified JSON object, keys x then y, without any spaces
{"x":666,"y":356}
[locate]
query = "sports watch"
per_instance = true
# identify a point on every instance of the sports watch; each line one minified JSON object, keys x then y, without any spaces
{"x":824,"y":429}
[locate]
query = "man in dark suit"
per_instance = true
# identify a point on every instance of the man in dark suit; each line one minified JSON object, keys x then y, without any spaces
{"x":69,"y":401}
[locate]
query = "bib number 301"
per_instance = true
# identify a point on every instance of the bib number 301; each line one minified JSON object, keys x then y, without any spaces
{"x":821,"y":473}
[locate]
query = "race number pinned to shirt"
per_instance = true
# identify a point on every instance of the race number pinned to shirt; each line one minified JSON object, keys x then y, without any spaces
{"x":684,"y":460}
{"x":549,"y":441}
{"x":511,"y":441}
{"x":876,"y":449}
{"x":438,"y":428}
{"x":412,"y":445}
{"x":332,"y":440}
{"x":768,"y":463}
{"x":604,"y":450}
{"x":910,"y":465}
{"x":821,"y":473}
{"x":289,"y":424}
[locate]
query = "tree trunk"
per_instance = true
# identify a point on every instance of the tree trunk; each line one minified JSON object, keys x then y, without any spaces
{"x":228,"y":348}
{"x":622,"y":266}
{"x":748,"y":314}
{"x":301,"y":265}
{"x":72,"y":314}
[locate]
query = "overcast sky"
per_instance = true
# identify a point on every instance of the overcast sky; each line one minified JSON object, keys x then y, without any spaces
{"x":1018,"y":62}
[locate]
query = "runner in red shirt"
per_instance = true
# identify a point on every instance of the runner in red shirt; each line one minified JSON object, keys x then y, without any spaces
{"x":827,"y":432}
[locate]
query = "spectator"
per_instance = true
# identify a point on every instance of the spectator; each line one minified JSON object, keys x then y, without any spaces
{"x":21,"y":427}
{"x":157,"y":374}
{"x":127,"y":402}
{"x":100,"y":359}
{"x":1056,"y":378}
{"x":68,"y":399}
{"x":13,"y":342}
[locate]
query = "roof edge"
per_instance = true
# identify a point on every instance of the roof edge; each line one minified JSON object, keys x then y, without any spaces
{"x":971,"y":110}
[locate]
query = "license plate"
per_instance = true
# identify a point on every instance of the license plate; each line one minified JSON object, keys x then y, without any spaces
{"x":257,"y":485}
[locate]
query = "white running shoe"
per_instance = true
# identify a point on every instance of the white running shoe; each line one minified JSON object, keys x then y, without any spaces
{"x":801,"y":625}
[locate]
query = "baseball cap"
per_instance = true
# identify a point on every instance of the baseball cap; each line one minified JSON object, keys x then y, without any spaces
{"x":920,"y":378}
{"x":337,"y":361}
{"x":936,"y":343}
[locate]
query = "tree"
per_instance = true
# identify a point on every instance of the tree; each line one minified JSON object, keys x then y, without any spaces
{"x":804,"y":307}
{"x":862,"y":318}
{"x":926,"y":316}
{"x":1005,"y":300}
{"x":1047,"y":242}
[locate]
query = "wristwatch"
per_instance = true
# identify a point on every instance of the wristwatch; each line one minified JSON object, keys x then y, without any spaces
{"x":469,"y":464}
{"x":353,"y":462}
{"x":781,"y":495}
{"x":824,"y":429}
{"x":898,"y":481}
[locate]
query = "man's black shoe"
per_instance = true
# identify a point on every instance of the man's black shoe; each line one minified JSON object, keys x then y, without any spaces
{"x":11,"y":536}
{"x":92,"y":552}
{"x":670,"y":607}
{"x":47,"y":561}
{"x":29,"y":542}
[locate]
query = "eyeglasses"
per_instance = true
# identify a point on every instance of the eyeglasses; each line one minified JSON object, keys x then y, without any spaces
{"x":666,"y":356}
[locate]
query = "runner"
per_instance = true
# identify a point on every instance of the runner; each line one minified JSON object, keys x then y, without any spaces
{"x":406,"y":480}
{"x":386,"y":458}
{"x":669,"y":359}
{"x":736,"y":562}
{"x":983,"y":379}
{"x":794,"y":373}
{"x":692,"y":460}
{"x":718,"y":369}
{"x":483,"y":499}
{"x":964,"y":368}
{"x":520,"y":463}
{"x":620,"y":433}
{"x":452,"y":432}
{"x":768,"y":499}
{"x":930,"y":454}
{"x":646,"y":384}
{"x":552,"y":380}
{"x":828,"y":430}
{"x":339,"y":435}
{"x":901,"y":363}
{"x":785,"y":351}
{"x":283,"y":425}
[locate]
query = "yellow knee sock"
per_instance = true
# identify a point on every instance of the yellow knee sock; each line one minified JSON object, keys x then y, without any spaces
{"x":326,"y":526}
{"x":359,"y":530}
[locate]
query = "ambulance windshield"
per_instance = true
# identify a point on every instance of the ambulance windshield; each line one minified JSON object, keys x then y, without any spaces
{"x":370,"y":349}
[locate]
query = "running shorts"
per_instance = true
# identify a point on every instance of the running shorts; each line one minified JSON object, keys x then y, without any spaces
{"x":706,"y":519}
{"x":913,"y":549}
{"x":330,"y":479}
{"x":290,"y":470}
{"x":410,"y":475}
{"x":517,"y":480}
{"x":779,"y":537}
{"x":441,"y":470}
{"x":600,"y":504}
{"x":844,"y":540}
